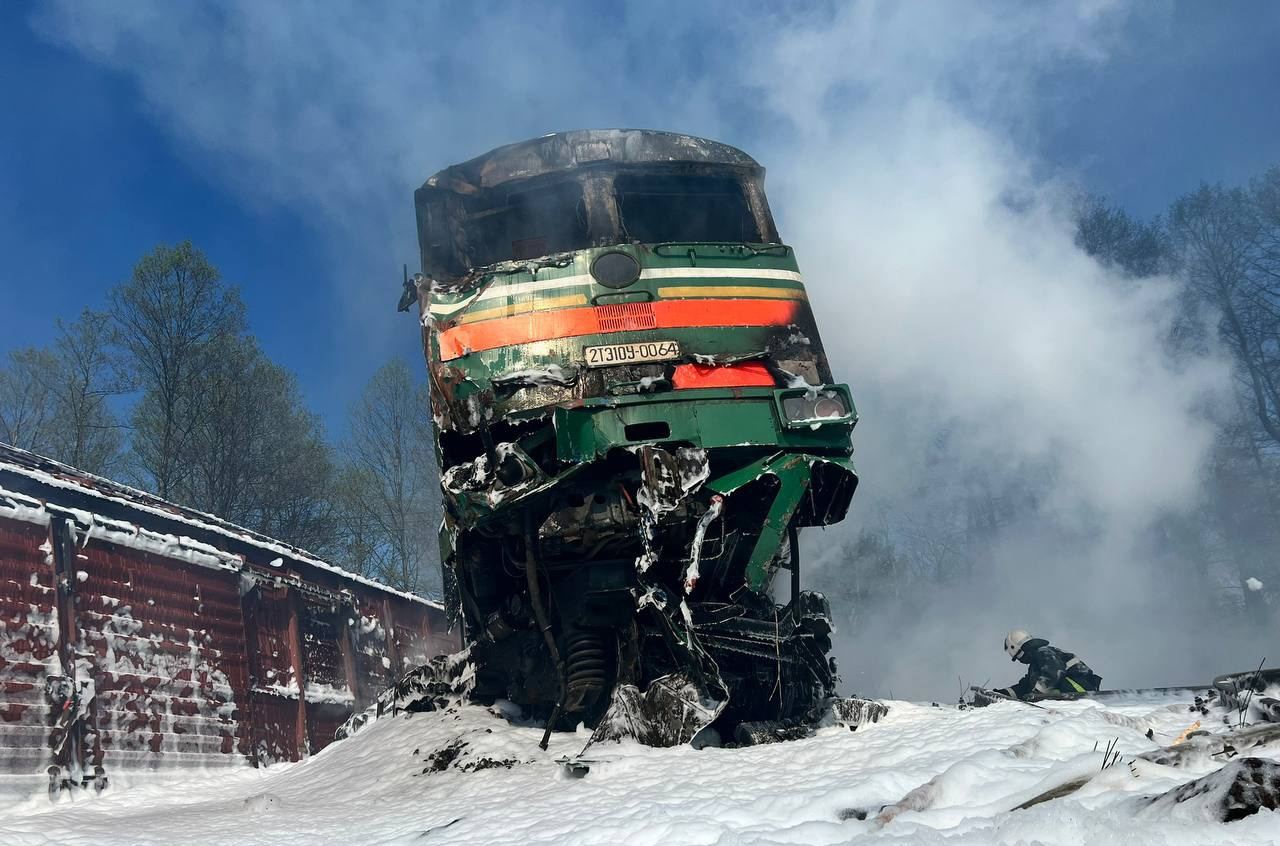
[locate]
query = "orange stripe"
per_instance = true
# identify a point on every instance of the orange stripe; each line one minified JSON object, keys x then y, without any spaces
{"x":571,"y":322}
{"x":742,"y":375}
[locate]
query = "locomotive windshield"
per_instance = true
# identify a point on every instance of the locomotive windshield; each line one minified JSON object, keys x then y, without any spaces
{"x":654,"y":208}
{"x":524,"y":224}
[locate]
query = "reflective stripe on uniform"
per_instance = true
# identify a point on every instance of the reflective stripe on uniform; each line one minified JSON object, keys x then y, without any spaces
{"x":1075,"y":660}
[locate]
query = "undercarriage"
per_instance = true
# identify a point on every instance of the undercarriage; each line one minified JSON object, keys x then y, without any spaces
{"x":613,"y":587}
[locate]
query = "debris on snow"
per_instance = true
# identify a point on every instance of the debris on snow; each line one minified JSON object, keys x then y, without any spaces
{"x":440,"y":682}
{"x":853,"y":712}
{"x":1239,"y":789}
{"x":668,"y":713}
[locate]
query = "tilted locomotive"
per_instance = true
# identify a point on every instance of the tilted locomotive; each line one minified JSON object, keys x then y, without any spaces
{"x":634,"y":418}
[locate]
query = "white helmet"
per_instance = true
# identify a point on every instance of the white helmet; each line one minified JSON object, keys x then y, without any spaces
{"x":1014,"y":641}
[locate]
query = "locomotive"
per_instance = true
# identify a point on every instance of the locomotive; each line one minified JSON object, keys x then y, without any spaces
{"x":634,"y":418}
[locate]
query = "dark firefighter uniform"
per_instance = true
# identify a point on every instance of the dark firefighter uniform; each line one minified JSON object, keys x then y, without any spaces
{"x":1049,"y":669}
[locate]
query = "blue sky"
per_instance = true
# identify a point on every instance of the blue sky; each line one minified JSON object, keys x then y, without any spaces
{"x":92,"y":183}
{"x":110,"y":147}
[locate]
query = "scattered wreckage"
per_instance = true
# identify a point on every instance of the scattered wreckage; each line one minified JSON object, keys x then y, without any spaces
{"x":1235,"y":699}
{"x":1245,"y":706}
{"x":634,"y":419}
{"x":669,"y":712}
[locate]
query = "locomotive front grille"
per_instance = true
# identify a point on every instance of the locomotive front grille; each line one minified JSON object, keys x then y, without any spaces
{"x":626,"y":317}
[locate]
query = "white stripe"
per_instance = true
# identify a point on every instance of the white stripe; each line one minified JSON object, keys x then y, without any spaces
{"x":498,"y":291}
{"x":718,"y":273}
{"x":446,"y":309}
{"x":1073,"y":662}
{"x":501,"y":292}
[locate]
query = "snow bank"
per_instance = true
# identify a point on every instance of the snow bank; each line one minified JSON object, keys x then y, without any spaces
{"x":921,"y":775}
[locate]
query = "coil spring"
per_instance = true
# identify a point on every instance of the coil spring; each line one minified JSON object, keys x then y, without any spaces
{"x":586,"y":661}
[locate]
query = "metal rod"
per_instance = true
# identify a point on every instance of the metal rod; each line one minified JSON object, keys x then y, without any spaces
{"x":539,"y":613}
{"x":794,"y":538}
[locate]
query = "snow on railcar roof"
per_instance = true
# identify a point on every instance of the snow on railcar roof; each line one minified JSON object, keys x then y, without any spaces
{"x":54,"y":474}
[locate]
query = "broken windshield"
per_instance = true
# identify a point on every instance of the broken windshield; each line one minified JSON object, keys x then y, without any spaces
{"x":526,"y":224}
{"x":653,"y":208}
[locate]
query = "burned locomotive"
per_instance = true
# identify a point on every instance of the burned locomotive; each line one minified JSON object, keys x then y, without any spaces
{"x":634,"y":419}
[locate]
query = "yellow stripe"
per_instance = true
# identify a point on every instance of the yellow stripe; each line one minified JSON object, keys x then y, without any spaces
{"x":765,"y":291}
{"x":513,"y":309}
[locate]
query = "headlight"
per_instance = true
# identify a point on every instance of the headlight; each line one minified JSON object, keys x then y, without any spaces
{"x":815,"y":407}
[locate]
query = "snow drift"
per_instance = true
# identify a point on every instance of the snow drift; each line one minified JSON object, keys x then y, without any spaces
{"x":923,"y":774}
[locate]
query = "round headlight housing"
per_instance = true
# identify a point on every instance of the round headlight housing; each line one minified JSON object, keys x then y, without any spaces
{"x":615,"y":269}
{"x":814,"y":408}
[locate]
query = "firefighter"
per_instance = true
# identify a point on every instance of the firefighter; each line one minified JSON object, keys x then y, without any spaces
{"x":1049,"y":669}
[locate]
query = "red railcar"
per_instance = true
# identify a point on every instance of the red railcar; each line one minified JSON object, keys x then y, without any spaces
{"x":138,"y":636}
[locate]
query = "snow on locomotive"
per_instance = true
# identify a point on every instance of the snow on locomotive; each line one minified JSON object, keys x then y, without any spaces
{"x":634,"y":417}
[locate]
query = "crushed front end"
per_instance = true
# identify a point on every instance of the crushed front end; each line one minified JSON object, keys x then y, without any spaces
{"x":634,"y":420}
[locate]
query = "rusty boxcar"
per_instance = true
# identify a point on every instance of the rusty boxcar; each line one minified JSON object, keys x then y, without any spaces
{"x":138,"y":636}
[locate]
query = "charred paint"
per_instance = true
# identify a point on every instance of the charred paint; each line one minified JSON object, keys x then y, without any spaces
{"x":627,"y":378}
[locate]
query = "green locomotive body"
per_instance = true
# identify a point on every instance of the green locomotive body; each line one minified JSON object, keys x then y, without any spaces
{"x":634,"y":418}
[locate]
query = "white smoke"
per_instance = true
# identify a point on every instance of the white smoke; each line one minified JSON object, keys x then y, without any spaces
{"x":900,"y":141}
{"x":966,"y":312}
{"x":953,"y":298}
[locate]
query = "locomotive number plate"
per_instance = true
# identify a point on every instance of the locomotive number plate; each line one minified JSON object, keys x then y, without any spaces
{"x":607,"y":354}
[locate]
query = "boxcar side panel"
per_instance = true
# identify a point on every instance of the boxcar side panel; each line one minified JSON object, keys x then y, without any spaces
{"x":28,"y":655}
{"x":168,"y":654}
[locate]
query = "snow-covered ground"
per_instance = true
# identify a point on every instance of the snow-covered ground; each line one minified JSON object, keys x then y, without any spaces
{"x":469,"y":777}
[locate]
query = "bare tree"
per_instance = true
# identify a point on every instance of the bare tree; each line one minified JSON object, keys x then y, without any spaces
{"x":392,"y":489}
{"x":54,"y":401}
{"x":255,"y":455}
{"x":1265,"y":195}
{"x":1118,"y":240}
{"x":28,"y":411}
{"x":1218,"y":234}
{"x":87,"y":434}
{"x":165,"y":318}
{"x":1227,"y":246}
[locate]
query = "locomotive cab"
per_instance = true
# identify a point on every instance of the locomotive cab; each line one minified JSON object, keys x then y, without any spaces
{"x":572,"y":191}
